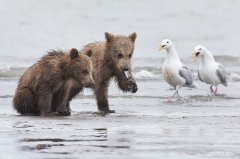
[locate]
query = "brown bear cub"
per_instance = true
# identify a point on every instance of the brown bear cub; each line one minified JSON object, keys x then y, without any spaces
{"x":47,"y":87}
{"x":112,"y":59}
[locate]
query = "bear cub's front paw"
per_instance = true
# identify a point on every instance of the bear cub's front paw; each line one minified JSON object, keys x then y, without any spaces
{"x":132,"y":86}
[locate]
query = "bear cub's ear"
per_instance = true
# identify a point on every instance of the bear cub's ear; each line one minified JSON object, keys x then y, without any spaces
{"x":89,"y":53}
{"x":74,"y":53}
{"x":109,"y":37}
{"x":133,"y":36}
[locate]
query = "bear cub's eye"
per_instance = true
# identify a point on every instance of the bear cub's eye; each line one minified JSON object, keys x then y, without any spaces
{"x":119,"y":55}
{"x":130,"y":55}
{"x":85,"y":72}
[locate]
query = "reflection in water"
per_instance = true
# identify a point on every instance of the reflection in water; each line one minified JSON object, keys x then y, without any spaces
{"x":146,"y":137}
{"x":96,"y":137}
{"x":87,"y":140}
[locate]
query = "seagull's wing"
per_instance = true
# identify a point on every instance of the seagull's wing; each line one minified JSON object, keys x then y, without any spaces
{"x":222,"y":74}
{"x":199,"y":76}
{"x":185,"y":73}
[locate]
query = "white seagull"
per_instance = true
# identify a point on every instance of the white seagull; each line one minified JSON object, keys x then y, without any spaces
{"x":209,"y":71}
{"x":174,"y":72}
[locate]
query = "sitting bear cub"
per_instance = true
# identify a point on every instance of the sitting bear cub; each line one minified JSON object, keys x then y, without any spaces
{"x":47,"y":87}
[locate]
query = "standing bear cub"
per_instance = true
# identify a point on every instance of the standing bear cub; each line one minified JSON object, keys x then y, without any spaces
{"x":47,"y":87}
{"x":111,"y":59}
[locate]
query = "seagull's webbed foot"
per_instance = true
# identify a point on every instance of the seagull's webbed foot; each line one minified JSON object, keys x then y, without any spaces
{"x":174,"y":94}
{"x":181,"y":98}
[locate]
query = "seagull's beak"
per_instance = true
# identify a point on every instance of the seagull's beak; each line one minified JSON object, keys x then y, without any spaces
{"x":161,"y":46}
{"x":195,"y":56}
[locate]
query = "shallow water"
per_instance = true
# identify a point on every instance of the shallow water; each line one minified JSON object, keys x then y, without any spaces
{"x":145,"y":125}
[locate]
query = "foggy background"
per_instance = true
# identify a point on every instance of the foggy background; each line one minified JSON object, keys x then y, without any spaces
{"x":28,"y":28}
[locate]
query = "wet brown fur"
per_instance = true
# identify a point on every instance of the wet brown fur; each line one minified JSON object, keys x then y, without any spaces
{"x":110,"y":58}
{"x":47,"y":87}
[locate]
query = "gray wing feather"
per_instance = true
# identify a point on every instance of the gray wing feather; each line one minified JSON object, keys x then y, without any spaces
{"x":199,"y":76}
{"x":221,"y":73}
{"x":185,"y":73}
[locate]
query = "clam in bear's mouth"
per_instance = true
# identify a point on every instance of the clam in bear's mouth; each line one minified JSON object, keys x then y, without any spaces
{"x":126,"y":73}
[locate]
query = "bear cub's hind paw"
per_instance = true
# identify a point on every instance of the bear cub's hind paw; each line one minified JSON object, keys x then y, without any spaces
{"x":107,"y":111}
{"x":50,"y":114}
{"x":65,"y":113}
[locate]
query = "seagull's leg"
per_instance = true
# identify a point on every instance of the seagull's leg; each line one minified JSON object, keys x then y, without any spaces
{"x":181,"y":98}
{"x":215,"y":92}
{"x":212,"y":91}
{"x":178,"y":94}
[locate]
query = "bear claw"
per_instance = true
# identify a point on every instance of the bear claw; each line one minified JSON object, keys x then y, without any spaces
{"x":132,"y":86}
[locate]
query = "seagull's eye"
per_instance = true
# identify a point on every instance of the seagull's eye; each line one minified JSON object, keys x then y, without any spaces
{"x":200,"y":49}
{"x":167,"y":41}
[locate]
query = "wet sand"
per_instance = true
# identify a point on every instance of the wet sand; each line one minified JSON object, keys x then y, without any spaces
{"x":145,"y":125}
